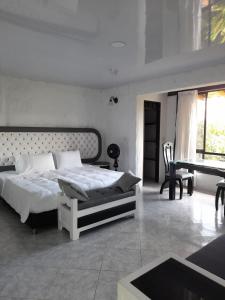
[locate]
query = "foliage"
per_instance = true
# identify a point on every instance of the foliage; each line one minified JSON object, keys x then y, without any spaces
{"x":213,"y":17}
{"x":215,"y":140}
{"x":218,"y":22}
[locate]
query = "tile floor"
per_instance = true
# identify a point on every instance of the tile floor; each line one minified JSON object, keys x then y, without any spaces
{"x":50,"y":266}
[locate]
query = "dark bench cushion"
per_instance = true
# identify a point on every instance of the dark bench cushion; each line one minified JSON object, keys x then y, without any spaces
{"x":103,"y":196}
{"x":211,"y":257}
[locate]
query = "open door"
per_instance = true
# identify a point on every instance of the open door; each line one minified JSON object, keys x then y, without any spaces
{"x":151,"y":140}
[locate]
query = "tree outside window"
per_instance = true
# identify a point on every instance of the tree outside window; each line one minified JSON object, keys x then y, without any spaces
{"x":211,"y":125}
{"x":213,"y":22}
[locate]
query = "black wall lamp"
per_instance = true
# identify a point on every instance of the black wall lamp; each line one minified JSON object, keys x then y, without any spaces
{"x":113,"y":100}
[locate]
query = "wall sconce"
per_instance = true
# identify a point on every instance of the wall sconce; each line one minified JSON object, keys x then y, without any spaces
{"x":113,"y":100}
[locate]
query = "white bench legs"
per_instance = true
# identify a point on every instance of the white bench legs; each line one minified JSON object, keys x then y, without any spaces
{"x":68,"y":214}
{"x":74,"y":232}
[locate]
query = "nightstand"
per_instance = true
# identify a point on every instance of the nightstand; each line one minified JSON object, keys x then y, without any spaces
{"x":102,"y":164}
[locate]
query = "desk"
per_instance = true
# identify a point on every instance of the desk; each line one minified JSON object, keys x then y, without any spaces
{"x":171,"y":278}
{"x":210,"y":167}
{"x":102,"y":164}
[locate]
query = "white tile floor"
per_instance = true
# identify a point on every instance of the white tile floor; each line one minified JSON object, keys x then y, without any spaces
{"x":50,"y":266}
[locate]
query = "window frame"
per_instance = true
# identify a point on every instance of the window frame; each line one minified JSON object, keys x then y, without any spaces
{"x":203,"y":151}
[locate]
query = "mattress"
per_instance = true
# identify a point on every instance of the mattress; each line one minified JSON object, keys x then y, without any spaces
{"x":36,"y":192}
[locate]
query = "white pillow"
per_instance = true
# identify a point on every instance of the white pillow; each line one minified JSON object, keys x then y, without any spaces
{"x":68,"y":159}
{"x":22,"y":163}
{"x":42,"y":162}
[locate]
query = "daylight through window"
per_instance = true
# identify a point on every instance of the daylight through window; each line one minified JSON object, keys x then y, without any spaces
{"x":211,"y":125}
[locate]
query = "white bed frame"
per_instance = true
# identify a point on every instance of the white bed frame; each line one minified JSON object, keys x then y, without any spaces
{"x":68,"y":213}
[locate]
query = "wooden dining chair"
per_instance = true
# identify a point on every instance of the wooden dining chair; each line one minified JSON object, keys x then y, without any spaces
{"x":220,"y":192}
{"x":168,"y":156}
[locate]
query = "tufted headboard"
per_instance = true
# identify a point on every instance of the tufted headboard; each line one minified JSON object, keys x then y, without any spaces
{"x":15,"y":141}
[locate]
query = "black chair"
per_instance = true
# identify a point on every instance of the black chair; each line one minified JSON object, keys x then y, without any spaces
{"x":220,"y":191}
{"x":168,"y":155}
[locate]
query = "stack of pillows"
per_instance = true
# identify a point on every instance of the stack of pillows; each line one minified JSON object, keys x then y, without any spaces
{"x":48,"y":161}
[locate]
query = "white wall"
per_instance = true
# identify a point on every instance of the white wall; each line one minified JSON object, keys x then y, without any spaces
{"x":25,"y":102}
{"x":207,"y":183}
{"x":119,"y":123}
{"x":121,"y":120}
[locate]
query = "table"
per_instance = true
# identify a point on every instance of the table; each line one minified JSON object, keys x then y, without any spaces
{"x":102,"y":164}
{"x":210,"y":167}
{"x":171,"y":278}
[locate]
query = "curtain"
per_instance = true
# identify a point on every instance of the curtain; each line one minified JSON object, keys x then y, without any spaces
{"x":186,"y":126}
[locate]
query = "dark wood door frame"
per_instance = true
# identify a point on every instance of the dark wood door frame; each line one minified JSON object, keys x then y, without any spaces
{"x":157,"y":140}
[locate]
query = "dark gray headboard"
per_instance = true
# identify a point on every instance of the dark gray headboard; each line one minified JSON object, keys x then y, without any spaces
{"x":15,"y":141}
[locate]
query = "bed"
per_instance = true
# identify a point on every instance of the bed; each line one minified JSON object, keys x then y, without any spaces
{"x":35,"y":195}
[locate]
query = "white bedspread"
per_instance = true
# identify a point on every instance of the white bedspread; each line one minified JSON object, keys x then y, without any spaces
{"x":36,"y":192}
{"x":4,"y":176}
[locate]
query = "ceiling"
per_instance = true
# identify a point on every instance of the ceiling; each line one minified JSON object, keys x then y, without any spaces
{"x":70,"y":41}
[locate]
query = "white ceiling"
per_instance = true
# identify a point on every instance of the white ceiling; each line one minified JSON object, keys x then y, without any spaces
{"x":69,"y":41}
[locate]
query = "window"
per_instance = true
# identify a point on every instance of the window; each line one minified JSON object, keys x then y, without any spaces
{"x":212,"y":22}
{"x":211,"y":125}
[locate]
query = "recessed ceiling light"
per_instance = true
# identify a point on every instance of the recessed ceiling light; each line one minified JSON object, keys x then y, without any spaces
{"x":118,"y":44}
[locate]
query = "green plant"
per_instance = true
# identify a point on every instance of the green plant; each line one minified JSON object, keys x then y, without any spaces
{"x":218,"y":22}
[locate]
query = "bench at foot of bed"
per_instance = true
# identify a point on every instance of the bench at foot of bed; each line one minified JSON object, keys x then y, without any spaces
{"x":105,"y":206}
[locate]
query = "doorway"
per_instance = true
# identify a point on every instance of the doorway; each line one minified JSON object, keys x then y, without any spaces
{"x":151,"y":140}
